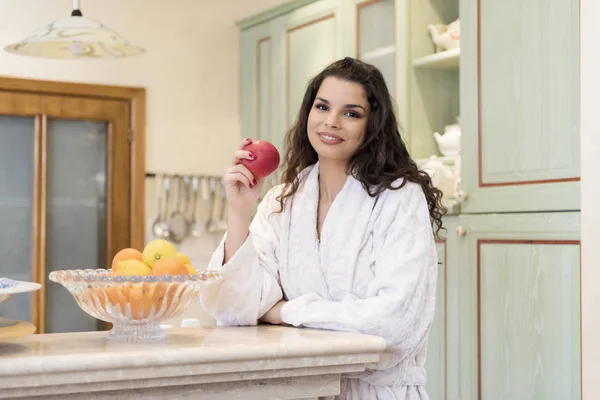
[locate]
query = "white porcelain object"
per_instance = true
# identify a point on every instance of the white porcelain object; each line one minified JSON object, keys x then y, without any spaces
{"x":441,"y":175}
{"x":445,"y":37}
{"x":10,"y":287}
{"x":190,"y":323}
{"x":449,"y":143}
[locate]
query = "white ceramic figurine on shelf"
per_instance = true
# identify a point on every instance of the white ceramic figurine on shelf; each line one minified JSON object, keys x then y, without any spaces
{"x":441,"y":175}
{"x":449,"y":143}
{"x":445,"y":37}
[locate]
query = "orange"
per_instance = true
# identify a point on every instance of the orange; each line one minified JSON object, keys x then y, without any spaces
{"x":140,"y":300}
{"x":169,"y":266}
{"x":126,"y":254}
{"x":117,"y":295}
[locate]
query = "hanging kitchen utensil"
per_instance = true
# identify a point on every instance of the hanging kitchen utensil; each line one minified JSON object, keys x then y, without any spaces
{"x":178,"y":224}
{"x":168,"y":233}
{"x":222,"y":221}
{"x":160,"y":228}
{"x":210,"y":224}
{"x":196,"y":228}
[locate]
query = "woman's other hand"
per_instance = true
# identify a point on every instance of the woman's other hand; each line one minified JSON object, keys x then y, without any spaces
{"x":273,"y":316}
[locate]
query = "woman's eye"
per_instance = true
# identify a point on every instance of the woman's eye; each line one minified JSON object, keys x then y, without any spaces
{"x":321,"y":107}
{"x":352,"y":114}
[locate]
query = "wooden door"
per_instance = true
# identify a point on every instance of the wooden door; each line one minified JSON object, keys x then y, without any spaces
{"x":519,"y":91}
{"x":520,"y":321}
{"x":66,"y":172}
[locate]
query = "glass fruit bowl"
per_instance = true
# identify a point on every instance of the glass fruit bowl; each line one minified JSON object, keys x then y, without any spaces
{"x":135,"y":305}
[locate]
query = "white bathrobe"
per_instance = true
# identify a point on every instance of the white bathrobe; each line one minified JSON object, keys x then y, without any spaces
{"x":374,"y":271}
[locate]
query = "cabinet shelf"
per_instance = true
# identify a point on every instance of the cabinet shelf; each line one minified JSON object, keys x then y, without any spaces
{"x":378,"y":53}
{"x":449,"y":59}
{"x":446,"y":160}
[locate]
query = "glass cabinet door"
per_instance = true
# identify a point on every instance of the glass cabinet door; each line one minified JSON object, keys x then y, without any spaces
{"x":75,"y":227}
{"x":17,"y":251}
{"x":375,"y":34}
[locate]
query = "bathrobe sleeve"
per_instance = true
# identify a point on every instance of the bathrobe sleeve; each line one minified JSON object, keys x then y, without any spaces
{"x":401,"y":298}
{"x":250,"y":286}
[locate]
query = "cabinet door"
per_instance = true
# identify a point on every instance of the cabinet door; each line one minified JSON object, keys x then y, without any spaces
{"x":257,"y":83}
{"x":306,"y":42}
{"x":17,"y":187}
{"x":520,"y":319}
{"x":77,"y":208}
{"x":442,"y":350}
{"x":369,"y":32}
{"x":519,"y":84}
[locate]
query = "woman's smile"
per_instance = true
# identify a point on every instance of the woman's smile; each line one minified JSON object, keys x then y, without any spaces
{"x":330,"y":138}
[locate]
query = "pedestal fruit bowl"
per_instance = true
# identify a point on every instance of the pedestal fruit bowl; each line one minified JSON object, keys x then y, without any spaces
{"x":140,"y":290}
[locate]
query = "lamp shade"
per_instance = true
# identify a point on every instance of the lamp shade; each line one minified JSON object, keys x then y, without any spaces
{"x":74,"y":37}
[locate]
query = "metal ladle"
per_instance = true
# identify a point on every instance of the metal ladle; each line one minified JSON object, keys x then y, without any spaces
{"x":210,"y":224}
{"x":179,"y":224}
{"x":160,"y":228}
{"x":196,"y":228}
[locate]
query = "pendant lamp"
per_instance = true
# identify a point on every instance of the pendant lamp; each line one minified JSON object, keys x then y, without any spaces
{"x":74,"y":37}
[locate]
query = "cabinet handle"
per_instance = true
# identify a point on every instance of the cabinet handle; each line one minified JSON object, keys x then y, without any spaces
{"x":461,"y":196}
{"x":460,"y":231}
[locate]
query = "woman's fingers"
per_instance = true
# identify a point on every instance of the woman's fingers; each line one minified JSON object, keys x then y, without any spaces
{"x":239,"y":173}
{"x":232,"y":178}
{"x":241,"y":146}
{"x":244,"y":143}
{"x":244,"y":155}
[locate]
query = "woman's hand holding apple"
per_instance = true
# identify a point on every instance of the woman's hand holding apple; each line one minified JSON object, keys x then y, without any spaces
{"x":252,"y":162}
{"x":241,"y":186}
{"x":243,"y":181}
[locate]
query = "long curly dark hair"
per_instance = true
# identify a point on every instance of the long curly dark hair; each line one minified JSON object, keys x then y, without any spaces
{"x":381,"y":159}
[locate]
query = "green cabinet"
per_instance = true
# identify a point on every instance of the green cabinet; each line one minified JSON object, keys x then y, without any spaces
{"x":519,"y":306}
{"x":507,"y":317}
{"x":519,"y":84}
{"x":442,"y":362}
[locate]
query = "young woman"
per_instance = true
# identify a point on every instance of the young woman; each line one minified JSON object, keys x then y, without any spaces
{"x":346,"y":242}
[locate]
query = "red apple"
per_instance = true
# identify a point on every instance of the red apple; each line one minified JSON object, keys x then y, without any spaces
{"x":266,"y":161}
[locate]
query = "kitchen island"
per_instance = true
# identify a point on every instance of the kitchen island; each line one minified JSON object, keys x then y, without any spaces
{"x":250,"y":363}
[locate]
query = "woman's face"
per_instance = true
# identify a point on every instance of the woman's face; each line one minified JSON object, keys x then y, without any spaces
{"x":337,"y":121}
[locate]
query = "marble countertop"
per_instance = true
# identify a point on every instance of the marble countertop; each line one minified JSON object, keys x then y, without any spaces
{"x":36,"y":361}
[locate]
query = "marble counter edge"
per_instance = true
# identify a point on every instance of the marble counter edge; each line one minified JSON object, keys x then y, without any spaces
{"x":123,"y":357}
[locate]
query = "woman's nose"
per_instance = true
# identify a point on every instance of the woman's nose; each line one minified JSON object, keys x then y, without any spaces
{"x":332,"y":121}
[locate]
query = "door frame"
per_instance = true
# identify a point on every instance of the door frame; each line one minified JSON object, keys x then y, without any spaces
{"x":136,"y":97}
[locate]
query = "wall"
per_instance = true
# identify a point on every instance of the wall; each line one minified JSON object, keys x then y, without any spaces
{"x":590,"y":193}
